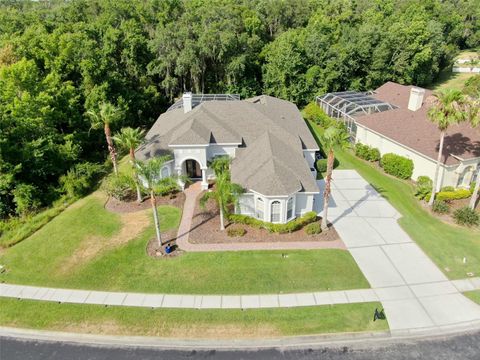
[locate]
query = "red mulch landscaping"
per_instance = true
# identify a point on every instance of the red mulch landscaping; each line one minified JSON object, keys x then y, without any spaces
{"x":206,"y":230}
{"x":117,"y":206}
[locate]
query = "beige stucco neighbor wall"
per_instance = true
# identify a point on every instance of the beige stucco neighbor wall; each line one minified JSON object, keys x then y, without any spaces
{"x":448,"y":175}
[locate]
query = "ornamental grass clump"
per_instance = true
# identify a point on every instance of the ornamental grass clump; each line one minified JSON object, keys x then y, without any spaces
{"x":466,"y":216}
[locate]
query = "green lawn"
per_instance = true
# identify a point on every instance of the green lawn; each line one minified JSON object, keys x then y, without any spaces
{"x":450,"y":80}
{"x":42,"y":260}
{"x":185,"y":323}
{"x":446,"y":244}
{"x":473,"y":295}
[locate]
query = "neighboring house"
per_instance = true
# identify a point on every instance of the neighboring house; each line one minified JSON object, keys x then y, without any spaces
{"x":272,"y":148}
{"x":393,"y":118}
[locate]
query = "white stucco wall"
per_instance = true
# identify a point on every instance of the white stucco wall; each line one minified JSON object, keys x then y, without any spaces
{"x":196,"y":153}
{"x":220,"y":150}
{"x":303,"y":203}
{"x":448,"y":175}
{"x":310,"y":157}
{"x":248,"y":205}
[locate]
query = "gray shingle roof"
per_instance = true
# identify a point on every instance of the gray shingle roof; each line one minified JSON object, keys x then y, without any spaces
{"x":272,"y":130}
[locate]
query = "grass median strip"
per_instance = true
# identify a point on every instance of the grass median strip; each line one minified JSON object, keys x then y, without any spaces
{"x":473,"y":295}
{"x":190,"y":323}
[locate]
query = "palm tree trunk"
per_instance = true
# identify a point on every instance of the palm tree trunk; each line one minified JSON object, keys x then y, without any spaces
{"x":437,"y":169}
{"x":326,"y":192}
{"x":137,"y":180}
{"x":111,"y":148}
{"x":153,"y":200}
{"x":474,"y":197}
{"x":222,"y":226}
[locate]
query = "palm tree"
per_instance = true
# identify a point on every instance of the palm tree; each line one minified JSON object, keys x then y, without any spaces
{"x":104,"y":117}
{"x":473,"y":107}
{"x":149,"y":174}
{"x":130,"y":139}
{"x":334,"y":136}
{"x":225,"y":192}
{"x":447,"y":109}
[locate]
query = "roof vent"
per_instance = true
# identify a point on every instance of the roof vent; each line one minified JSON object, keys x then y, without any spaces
{"x":416,"y":99}
{"x":187,"y":102}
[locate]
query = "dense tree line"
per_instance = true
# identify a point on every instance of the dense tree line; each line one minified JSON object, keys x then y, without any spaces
{"x":61,"y":60}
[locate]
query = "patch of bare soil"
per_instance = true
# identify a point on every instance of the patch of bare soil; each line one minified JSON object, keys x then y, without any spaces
{"x":168,"y":239}
{"x":132,"y":225}
{"x":117,"y":206}
{"x":206,"y":230}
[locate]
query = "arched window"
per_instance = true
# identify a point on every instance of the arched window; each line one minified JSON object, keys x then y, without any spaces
{"x":259,"y":209}
{"x":165,"y":172}
{"x":289,"y":208}
{"x":275,"y":208}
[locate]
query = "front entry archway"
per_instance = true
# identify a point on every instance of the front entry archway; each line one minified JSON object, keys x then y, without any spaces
{"x":193,"y":169}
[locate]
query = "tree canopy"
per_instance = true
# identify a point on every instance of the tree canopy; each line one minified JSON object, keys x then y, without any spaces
{"x":61,"y":59}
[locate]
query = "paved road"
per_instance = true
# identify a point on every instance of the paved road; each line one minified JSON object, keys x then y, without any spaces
{"x":413,"y":290}
{"x":464,"y":347}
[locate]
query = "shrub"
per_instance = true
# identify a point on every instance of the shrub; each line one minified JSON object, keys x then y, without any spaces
{"x":291,"y":226}
{"x":313,"y":228}
{"x":121,"y":187}
{"x":367,"y":152}
{"x":441,"y":207}
{"x":25,"y":197}
{"x":313,"y":112}
{"x":466,"y":216}
{"x":472,"y":186}
{"x":424,"y":187}
{"x":453,"y":195}
{"x":447,"y":189}
{"x":397,"y":165}
{"x":321,"y":165}
{"x":81,"y":179}
{"x":236,"y":232}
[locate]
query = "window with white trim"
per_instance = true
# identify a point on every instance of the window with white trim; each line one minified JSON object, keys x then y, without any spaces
{"x":275,"y":209}
{"x":289,"y":208}
{"x":259,"y":208}
{"x":165,"y":173}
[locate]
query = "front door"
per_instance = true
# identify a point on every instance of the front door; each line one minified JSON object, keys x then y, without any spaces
{"x":193,"y":169}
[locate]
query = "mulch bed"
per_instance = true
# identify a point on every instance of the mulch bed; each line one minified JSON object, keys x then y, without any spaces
{"x":206,"y":230}
{"x":117,"y":206}
{"x":454,"y":205}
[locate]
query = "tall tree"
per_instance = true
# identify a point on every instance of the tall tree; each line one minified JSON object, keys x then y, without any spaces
{"x":225,"y":192}
{"x":130,"y":139}
{"x":106,"y":116}
{"x":334,"y":136}
{"x":149,"y":174}
{"x":447,"y":109}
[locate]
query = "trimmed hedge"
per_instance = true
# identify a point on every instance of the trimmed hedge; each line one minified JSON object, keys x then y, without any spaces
{"x":289,"y":227}
{"x":397,"y":165}
{"x":321,"y":165}
{"x":366,"y":152}
{"x":313,"y":228}
{"x":453,"y":195}
{"x":236,"y":232}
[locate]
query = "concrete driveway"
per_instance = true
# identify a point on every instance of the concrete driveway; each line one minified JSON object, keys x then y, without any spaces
{"x":416,"y":295}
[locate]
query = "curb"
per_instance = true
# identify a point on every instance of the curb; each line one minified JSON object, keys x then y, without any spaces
{"x":295,"y":342}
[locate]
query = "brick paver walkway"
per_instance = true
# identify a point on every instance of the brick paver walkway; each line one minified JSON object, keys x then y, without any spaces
{"x":191,"y":197}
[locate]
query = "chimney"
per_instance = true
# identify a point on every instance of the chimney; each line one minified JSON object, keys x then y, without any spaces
{"x":416,"y":99}
{"x":187,"y":102}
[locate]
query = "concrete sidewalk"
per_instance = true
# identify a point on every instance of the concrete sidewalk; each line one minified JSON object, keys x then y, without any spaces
{"x":420,"y":296}
{"x":395,"y":293}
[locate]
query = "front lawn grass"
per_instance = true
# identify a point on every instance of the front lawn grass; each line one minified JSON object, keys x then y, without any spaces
{"x":40,"y":260}
{"x":188,"y":323}
{"x":473,"y":295}
{"x":446,"y":244}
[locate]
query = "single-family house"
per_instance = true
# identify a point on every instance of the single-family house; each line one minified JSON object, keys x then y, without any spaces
{"x":272,"y":150}
{"x":393,"y":118}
